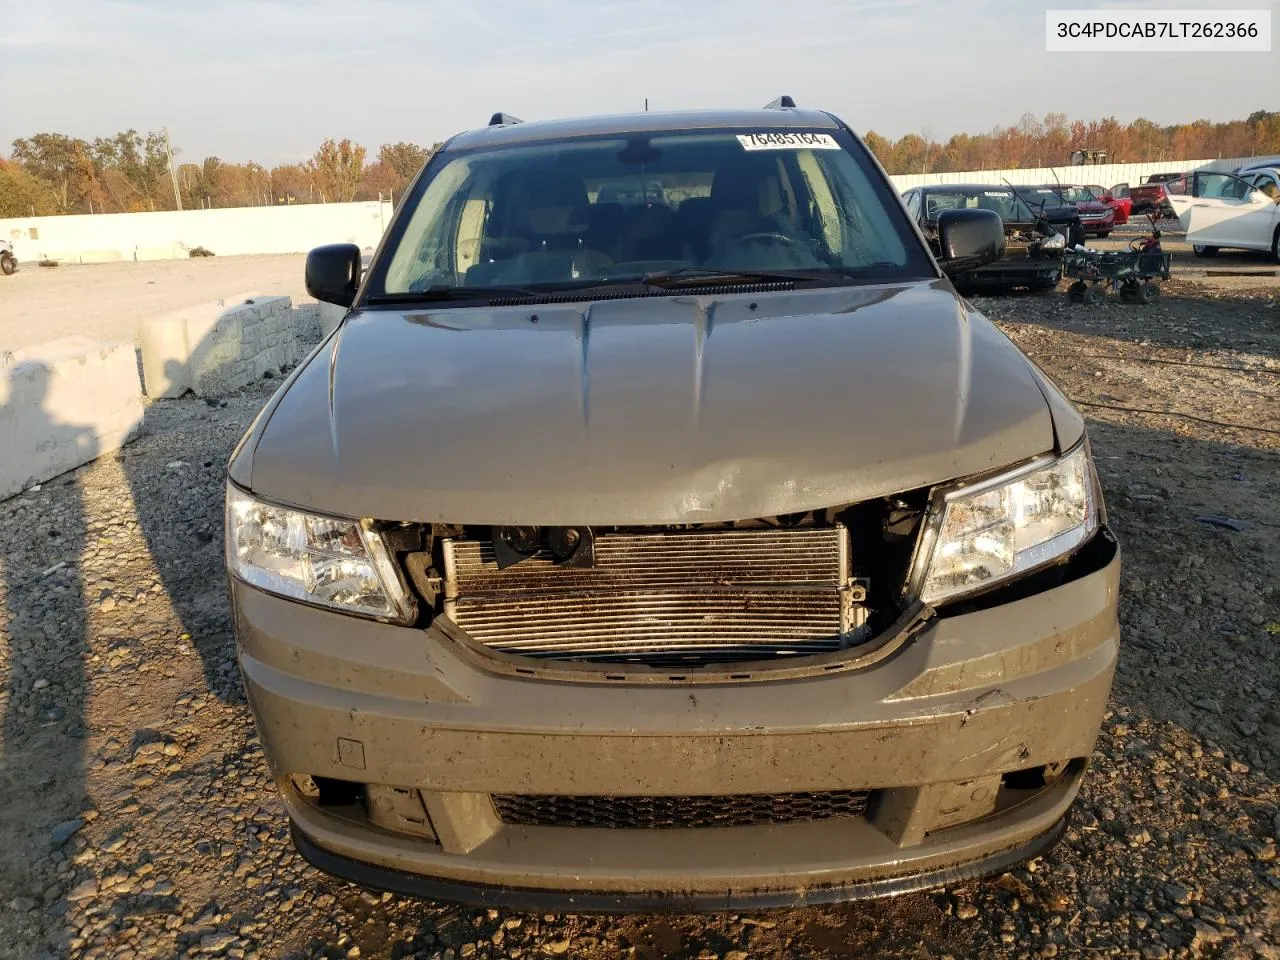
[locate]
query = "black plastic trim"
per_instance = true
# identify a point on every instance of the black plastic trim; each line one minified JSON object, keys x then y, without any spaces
{"x":568,"y":901}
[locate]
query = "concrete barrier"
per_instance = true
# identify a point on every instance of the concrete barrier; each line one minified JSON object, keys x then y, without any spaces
{"x":217,"y":348}
{"x":62,"y":404}
{"x":330,"y":316}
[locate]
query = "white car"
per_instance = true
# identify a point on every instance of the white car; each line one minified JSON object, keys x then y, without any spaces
{"x":1224,"y":210}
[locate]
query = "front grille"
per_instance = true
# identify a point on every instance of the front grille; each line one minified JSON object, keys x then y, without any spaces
{"x":663,"y":598}
{"x":656,"y":813}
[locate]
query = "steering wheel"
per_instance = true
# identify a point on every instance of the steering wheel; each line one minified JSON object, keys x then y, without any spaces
{"x":764,"y":236}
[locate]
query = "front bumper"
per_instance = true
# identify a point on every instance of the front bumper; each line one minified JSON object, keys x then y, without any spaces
{"x":931,"y":731}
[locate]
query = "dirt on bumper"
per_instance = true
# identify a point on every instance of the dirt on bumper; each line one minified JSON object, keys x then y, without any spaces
{"x":936,"y":735}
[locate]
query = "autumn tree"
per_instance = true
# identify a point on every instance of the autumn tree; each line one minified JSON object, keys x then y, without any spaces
{"x":292,"y":183}
{"x":65,"y":165}
{"x":140,"y":163}
{"x":23,"y":194}
{"x":338,"y":167}
{"x":404,"y":159}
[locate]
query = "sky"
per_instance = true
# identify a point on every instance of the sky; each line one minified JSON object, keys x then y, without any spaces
{"x":268,"y":80}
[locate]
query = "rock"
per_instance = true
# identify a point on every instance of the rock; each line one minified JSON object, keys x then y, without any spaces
{"x":65,"y":831}
{"x":558,"y":948}
{"x":84,"y":891}
{"x":1177,"y":893}
{"x":216,"y":942}
{"x":966,"y":911}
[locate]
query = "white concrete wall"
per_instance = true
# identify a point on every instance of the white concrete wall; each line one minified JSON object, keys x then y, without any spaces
{"x":110,"y":237}
{"x":1103,"y":174}
{"x":64,"y":403}
{"x":214,"y":349}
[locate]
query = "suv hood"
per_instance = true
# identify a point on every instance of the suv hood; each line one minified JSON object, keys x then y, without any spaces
{"x":648,"y":410}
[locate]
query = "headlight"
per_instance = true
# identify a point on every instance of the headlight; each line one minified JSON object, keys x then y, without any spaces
{"x":333,"y":563}
{"x":1000,"y":528}
{"x":1056,"y":242}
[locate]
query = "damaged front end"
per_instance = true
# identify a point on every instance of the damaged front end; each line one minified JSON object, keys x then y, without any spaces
{"x":822,"y":582}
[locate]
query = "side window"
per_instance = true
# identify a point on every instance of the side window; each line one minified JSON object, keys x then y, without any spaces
{"x":1221,"y":186}
{"x":912,"y":200}
{"x":1268,"y":184}
{"x":1120,"y":191}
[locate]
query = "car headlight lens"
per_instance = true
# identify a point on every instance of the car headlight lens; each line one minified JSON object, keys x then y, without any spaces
{"x":333,"y":563}
{"x":1006,"y":526}
{"x":1055,"y":242}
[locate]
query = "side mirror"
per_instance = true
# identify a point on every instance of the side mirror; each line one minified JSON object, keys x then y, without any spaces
{"x":333,"y":273}
{"x":968,"y":239}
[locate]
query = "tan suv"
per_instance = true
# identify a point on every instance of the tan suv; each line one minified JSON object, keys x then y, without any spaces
{"x":696,"y":554}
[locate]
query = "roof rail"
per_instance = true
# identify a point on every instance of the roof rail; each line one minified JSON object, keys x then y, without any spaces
{"x":503,"y":119}
{"x":780,"y":103}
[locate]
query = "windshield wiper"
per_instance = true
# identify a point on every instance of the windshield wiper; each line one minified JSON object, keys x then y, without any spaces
{"x":708,"y":276}
{"x":443,"y":294}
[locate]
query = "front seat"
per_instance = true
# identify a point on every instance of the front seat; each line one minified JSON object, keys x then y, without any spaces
{"x":736,"y":210}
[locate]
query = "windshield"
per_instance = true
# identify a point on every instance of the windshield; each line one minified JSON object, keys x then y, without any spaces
{"x":591,"y":210}
{"x":1002,"y":202}
{"x":1049,"y":196}
{"x":1077,"y":194}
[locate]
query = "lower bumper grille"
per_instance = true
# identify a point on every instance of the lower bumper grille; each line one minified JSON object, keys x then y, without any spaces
{"x":663,"y":598}
{"x":648,"y":813}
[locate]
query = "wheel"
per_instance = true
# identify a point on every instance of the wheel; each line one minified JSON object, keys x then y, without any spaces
{"x":1129,"y":291}
{"x":7,"y":264}
{"x":1202,"y":251}
{"x":1148,"y":292}
{"x":1275,"y":246}
{"x":1078,"y":291}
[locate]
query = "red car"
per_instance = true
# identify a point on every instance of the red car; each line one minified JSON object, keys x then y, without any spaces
{"x":1121,"y":206}
{"x":1097,"y":219}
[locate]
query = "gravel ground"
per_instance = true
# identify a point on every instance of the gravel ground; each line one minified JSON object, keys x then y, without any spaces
{"x":107,"y":300}
{"x":139,"y":820}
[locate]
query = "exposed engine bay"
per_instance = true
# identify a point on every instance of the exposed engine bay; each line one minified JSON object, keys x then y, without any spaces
{"x":767,"y":588}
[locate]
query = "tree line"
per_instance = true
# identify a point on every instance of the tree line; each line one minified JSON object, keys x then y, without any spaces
{"x":51,"y":173}
{"x":1049,"y":142}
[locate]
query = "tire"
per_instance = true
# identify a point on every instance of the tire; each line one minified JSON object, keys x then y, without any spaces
{"x":1202,"y":251}
{"x":1129,"y":291}
{"x":1275,"y":246}
{"x":1077,"y":292}
{"x":1104,"y":233}
{"x":7,"y":264}
{"x":1148,"y":292}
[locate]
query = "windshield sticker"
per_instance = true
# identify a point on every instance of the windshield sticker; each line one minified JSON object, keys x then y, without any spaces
{"x":788,"y":141}
{"x":994,"y":193}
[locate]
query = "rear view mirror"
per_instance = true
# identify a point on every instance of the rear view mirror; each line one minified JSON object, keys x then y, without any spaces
{"x":333,"y":273}
{"x":968,"y":239}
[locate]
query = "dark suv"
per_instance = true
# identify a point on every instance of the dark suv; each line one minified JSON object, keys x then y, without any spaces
{"x":686,"y":555}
